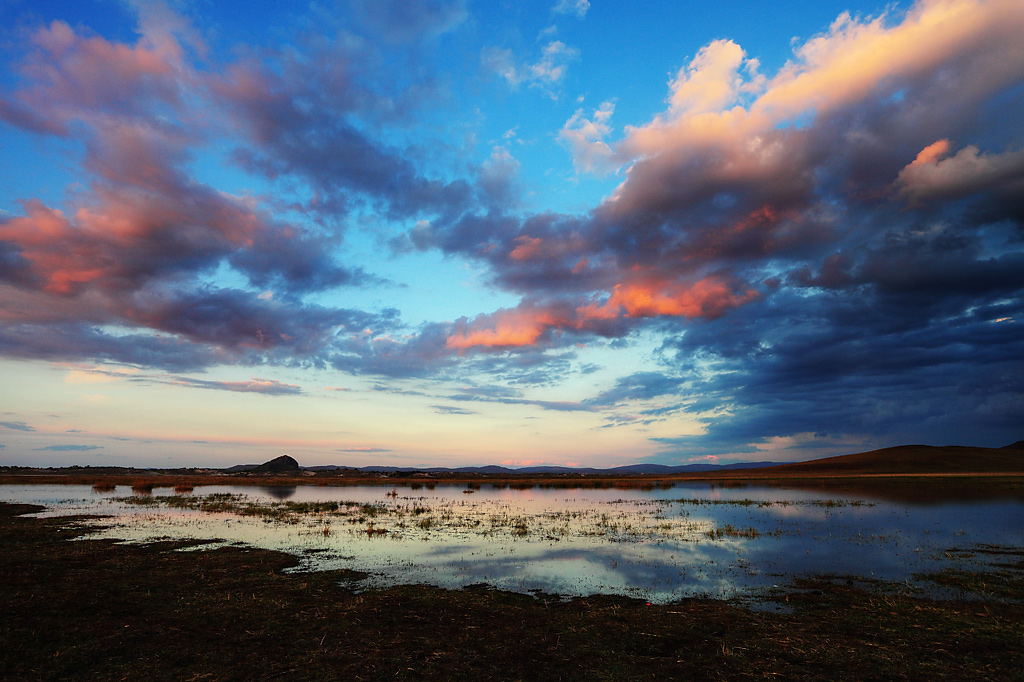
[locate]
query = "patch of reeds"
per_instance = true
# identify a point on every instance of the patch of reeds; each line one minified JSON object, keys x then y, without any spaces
{"x":103,"y":487}
{"x":139,"y":500}
{"x":183,"y":489}
{"x":310,"y":507}
{"x":731,"y":531}
{"x":143,"y":487}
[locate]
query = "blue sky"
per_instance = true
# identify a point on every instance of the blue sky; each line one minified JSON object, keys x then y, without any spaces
{"x":563,"y":232}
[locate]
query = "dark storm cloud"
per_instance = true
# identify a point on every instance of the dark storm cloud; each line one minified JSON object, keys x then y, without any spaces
{"x":855,"y":366}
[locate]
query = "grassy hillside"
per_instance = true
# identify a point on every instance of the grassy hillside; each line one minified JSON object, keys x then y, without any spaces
{"x":914,"y":459}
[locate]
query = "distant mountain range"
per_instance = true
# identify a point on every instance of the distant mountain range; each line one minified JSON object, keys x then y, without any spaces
{"x":628,"y":470}
{"x":902,"y":459}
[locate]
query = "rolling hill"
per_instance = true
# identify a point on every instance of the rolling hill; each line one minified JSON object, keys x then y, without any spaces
{"x":913,"y":459}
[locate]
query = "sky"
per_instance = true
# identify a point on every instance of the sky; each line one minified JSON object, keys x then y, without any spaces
{"x":467,"y":232}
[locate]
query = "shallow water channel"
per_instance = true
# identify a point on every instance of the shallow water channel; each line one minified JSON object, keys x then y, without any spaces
{"x":660,"y":543}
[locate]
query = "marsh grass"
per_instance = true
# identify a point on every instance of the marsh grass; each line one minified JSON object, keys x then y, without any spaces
{"x":98,"y":610}
{"x":372,"y":530}
{"x":241,"y":505}
{"x":1002,"y":578}
{"x":408,"y":518}
{"x":104,"y":487}
{"x":731,"y":531}
{"x":747,"y":502}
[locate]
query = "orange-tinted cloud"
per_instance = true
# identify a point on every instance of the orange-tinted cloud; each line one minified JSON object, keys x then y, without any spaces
{"x":530,"y":325}
{"x":527,"y":248}
{"x":842,"y":66}
{"x":934,"y":174}
{"x":707,"y":298}
{"x":508,"y":328}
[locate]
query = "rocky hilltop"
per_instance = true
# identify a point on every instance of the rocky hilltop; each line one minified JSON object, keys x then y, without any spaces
{"x":279,"y":465}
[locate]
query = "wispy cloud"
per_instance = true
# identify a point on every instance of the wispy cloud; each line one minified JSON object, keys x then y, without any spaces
{"x":546,"y":73}
{"x":451,"y":409}
{"x":262,"y":386}
{"x":577,"y":7}
{"x":509,"y":396}
{"x":17,"y":426}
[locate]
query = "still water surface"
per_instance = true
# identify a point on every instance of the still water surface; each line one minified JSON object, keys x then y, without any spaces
{"x":658,"y":544}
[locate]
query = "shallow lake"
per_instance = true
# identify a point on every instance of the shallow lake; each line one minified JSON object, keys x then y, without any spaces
{"x":658,"y":543}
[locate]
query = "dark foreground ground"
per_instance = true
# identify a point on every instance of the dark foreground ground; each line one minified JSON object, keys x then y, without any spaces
{"x":94,"y":610}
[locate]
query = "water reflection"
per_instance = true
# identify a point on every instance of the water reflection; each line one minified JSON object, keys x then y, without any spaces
{"x":657,"y":542}
{"x":279,"y":492}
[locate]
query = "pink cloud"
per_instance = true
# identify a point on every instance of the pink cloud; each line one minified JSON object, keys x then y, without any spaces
{"x":507,"y":328}
{"x":549,"y":248}
{"x":527,"y":248}
{"x":70,"y":76}
{"x":530,"y":325}
{"x":935,"y":174}
{"x":707,"y":298}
